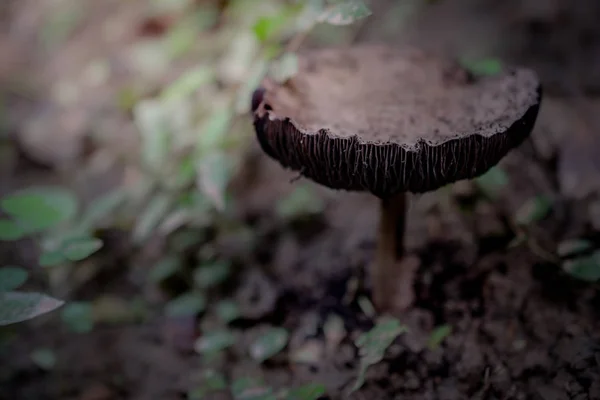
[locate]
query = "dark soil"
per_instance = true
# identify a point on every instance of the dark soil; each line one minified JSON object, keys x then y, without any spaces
{"x":521,"y":328}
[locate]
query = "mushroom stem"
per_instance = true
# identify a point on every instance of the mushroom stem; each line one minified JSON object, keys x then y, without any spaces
{"x":387,"y":268}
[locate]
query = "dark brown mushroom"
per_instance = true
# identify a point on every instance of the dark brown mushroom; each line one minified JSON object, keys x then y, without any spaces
{"x":390,"y":121}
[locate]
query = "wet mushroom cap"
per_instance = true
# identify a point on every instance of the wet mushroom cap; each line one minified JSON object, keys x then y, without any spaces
{"x":386,"y":120}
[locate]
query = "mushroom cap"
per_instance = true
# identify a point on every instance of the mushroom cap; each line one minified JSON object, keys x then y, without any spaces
{"x":387,"y":120}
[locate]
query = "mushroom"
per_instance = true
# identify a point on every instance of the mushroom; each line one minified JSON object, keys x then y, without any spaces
{"x":391,"y":121}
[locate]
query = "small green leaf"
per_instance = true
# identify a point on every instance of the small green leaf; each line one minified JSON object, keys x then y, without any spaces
{"x":284,"y":68}
{"x":150,"y":117}
{"x":187,"y":304}
{"x":164,"y":268}
{"x":210,"y":275}
{"x":585,"y":268}
{"x":373,"y":344}
{"x":78,"y":249}
{"x":486,"y":66}
{"x":311,"y":391}
{"x":101,"y":208}
{"x":228,"y":311}
{"x":40,"y":208}
{"x":269,"y":344}
{"x":10,"y":231}
{"x":302,"y":201}
{"x":189,"y":82}
{"x":266,"y":27}
{"x":345,"y":12}
{"x":214,"y":380}
{"x":78,"y":316}
{"x":151,"y":216}
{"x":212,"y":132}
{"x":44,"y":358}
{"x":20,"y":306}
{"x":214,"y":342}
{"x":255,"y":76}
{"x":573,"y":246}
{"x":309,"y":15}
{"x":366,"y":306}
{"x":12,"y":278}
{"x":185,"y":171}
{"x":534,"y":209}
{"x":492,"y":182}
{"x":214,"y":172}
{"x":211,"y":381}
{"x":52,"y":258}
{"x":438,"y":335}
{"x":251,"y":389}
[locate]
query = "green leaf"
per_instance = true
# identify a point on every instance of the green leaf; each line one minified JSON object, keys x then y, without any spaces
{"x":486,"y":66}
{"x":101,"y":209}
{"x":373,"y":344}
{"x":211,"y":381}
{"x":311,"y":391}
{"x":214,"y":342}
{"x":228,"y":311}
{"x":164,"y":268}
{"x":438,"y":335}
{"x":492,"y":182}
{"x":309,"y":15}
{"x":10,"y":231}
{"x":267,"y":27}
{"x":284,"y":68}
{"x":150,"y":117}
{"x":188,"y":83}
{"x":251,"y":389}
{"x":78,"y":316}
{"x":269,"y":344}
{"x":180,"y":39}
{"x":20,"y":306}
{"x":366,"y":306}
{"x":210,"y":275}
{"x":52,"y":258}
{"x":534,"y":210}
{"x":212,"y":132}
{"x":185,"y":172}
{"x":214,"y":172}
{"x":345,"y":12}
{"x":44,"y":358}
{"x":255,"y":76}
{"x":187,"y":304}
{"x":12,"y":278}
{"x":38,"y":209}
{"x":585,"y":268}
{"x":302,"y":201}
{"x":151,"y":216}
{"x":78,"y":249}
{"x":572,"y":246}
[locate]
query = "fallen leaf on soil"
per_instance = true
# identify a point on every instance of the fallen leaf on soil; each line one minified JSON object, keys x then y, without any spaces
{"x":21,"y":306}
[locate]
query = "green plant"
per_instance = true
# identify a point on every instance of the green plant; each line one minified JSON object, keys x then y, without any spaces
{"x":373,"y":344}
{"x":47,"y":215}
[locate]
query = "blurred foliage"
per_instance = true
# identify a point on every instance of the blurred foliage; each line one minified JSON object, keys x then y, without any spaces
{"x":193,"y":134}
{"x":438,"y":335}
{"x":373,"y":344}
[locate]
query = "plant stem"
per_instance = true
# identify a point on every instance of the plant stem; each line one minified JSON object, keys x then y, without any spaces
{"x":387,"y":268}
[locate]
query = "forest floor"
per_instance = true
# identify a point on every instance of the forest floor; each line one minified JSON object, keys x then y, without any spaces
{"x":521,"y":327}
